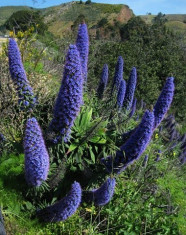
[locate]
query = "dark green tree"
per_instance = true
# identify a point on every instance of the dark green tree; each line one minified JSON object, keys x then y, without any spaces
{"x":24,"y":19}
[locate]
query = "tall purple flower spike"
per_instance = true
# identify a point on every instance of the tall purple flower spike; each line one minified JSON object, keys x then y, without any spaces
{"x":118,"y":76}
{"x":121,"y":93}
{"x":164,"y":101}
{"x":131,"y":86}
{"x":102,"y":195}
{"x":133,"y":109}
{"x":82,"y":43}
{"x":133,"y":148}
{"x":36,"y":155}
{"x":64,"y":208}
{"x":103,"y":81}
{"x":70,"y":97}
{"x":24,"y":91}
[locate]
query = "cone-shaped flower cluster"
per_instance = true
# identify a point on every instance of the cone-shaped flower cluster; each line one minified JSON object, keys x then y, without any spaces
{"x":118,"y":76}
{"x":70,"y":96}
{"x":102,"y":195}
{"x":36,"y":155}
{"x":164,"y":101}
{"x":121,"y":93}
{"x":24,"y":91}
{"x":103,"y":81}
{"x":133,"y":109}
{"x":64,"y":208}
{"x":82,"y":43}
{"x":133,"y":148}
{"x":131,"y":86}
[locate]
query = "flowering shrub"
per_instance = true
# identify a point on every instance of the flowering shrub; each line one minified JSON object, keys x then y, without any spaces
{"x":103,"y":81}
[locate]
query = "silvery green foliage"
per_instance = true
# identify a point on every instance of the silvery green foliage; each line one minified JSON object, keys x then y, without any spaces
{"x":64,"y":208}
{"x":121,"y":94}
{"x":36,"y":155}
{"x":70,"y":96}
{"x":103,"y":81}
{"x":131,"y":86}
{"x":82,"y":43}
{"x":24,"y":90}
{"x":133,"y":148}
{"x":102,"y":195}
{"x":164,"y":101}
{"x":118,"y":75}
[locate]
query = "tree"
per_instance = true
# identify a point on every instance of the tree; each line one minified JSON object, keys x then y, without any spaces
{"x":88,"y":2}
{"x":24,"y":19}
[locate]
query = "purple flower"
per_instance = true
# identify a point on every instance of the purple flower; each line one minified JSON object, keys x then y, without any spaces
{"x":118,"y":76}
{"x":82,"y":43}
{"x":164,"y":101}
{"x":133,"y":148}
{"x":103,"y":81}
{"x":70,"y":96}
{"x":131,"y":86}
{"x":133,"y":109}
{"x":64,"y":208}
{"x":102,"y":195}
{"x":121,"y":94}
{"x":36,"y":155}
{"x":24,"y":91}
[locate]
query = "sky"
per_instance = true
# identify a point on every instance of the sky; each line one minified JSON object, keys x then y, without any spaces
{"x":139,"y":7}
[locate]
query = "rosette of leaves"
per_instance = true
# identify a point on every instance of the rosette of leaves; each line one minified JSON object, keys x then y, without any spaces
{"x":88,"y":137}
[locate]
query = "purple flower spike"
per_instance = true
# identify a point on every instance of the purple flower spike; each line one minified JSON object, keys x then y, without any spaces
{"x":64,"y":208}
{"x":82,"y":43}
{"x":121,"y":94}
{"x":70,"y":96}
{"x":133,"y":148}
{"x":24,"y":91}
{"x":118,"y":76}
{"x":133,"y":109}
{"x":102,"y":195}
{"x":103,"y":81}
{"x":36,"y":155}
{"x":131,"y":86}
{"x":164,"y":101}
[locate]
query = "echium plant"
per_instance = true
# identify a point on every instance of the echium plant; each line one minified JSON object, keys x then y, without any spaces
{"x":70,"y":96}
{"x":64,"y":208}
{"x":133,"y":148}
{"x":131,"y":86}
{"x":82,"y":43}
{"x":36,"y":155}
{"x":118,"y":75}
{"x":121,"y":94}
{"x":102,"y":195}
{"x":103,"y":81}
{"x":133,"y":108}
{"x":164,"y":101}
{"x":24,"y":90}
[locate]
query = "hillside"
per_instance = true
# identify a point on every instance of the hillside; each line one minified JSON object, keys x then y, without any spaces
{"x":61,"y":18}
{"x":176,"y":22}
